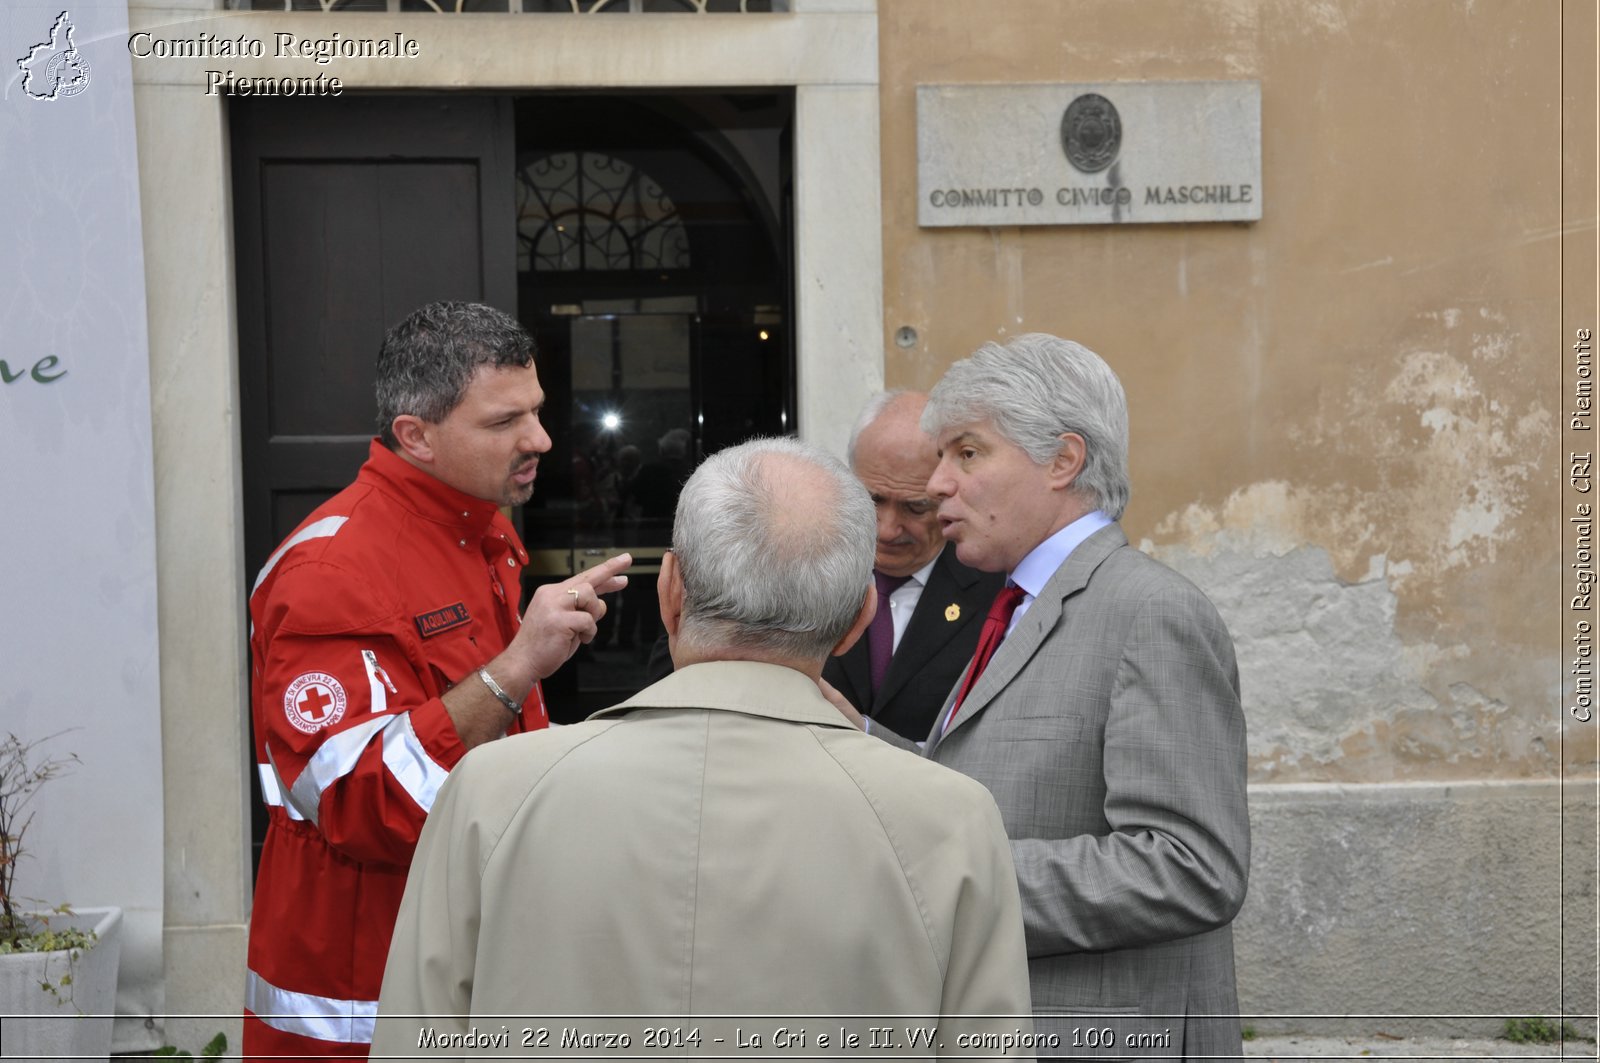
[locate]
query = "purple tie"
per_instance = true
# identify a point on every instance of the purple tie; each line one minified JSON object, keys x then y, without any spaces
{"x":880,"y":636}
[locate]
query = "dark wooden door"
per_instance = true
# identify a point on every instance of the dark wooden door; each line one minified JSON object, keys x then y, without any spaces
{"x":350,"y":213}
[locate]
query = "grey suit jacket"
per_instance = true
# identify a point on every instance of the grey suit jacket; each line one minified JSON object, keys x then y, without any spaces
{"x":1108,"y":727}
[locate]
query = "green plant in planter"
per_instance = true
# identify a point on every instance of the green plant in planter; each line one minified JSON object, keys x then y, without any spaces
{"x":22,"y":772}
{"x":213,"y":1050}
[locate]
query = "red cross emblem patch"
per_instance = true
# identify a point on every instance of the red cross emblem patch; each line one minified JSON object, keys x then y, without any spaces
{"x":313,"y":701}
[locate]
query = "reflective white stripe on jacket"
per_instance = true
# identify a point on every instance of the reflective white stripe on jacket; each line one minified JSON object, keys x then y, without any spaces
{"x":403,"y":755}
{"x":325,"y":1018}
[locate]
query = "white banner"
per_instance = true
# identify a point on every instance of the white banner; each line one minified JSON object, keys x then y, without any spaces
{"x":78,"y":647}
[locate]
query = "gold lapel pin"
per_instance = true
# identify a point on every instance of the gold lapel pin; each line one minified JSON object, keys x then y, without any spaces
{"x":952,"y":612}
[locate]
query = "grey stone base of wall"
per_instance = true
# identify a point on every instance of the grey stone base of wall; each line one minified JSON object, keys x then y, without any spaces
{"x":1419,"y":909}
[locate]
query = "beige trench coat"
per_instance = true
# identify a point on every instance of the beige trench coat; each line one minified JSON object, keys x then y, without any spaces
{"x":721,"y":856}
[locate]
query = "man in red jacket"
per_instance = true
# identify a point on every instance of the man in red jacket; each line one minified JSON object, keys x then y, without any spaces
{"x":386,"y":642}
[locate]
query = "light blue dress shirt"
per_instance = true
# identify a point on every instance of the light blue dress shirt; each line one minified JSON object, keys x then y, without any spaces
{"x":1043,"y":561}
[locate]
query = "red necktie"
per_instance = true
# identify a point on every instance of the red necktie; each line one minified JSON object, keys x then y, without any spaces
{"x":994,"y":630}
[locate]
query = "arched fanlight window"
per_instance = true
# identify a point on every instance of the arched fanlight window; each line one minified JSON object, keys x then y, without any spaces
{"x":582,"y":210}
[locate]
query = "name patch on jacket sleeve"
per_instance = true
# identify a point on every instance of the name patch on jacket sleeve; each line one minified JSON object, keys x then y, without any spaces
{"x":439,"y":621}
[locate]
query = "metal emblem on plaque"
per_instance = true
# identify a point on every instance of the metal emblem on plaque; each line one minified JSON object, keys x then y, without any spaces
{"x":1091,"y":133}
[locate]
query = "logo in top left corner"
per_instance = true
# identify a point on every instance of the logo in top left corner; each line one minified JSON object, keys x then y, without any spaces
{"x":55,"y":68}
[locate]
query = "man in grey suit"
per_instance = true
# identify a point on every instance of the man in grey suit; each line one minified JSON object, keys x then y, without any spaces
{"x":930,"y":605}
{"x":1107,"y":721}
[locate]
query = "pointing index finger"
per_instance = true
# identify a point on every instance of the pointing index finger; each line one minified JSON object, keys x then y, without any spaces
{"x":606,"y":576}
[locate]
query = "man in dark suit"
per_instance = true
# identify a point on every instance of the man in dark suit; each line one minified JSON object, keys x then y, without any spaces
{"x":1101,"y":710}
{"x":930,"y":605}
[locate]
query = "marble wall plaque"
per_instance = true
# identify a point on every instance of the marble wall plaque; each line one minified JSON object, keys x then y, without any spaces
{"x":1089,"y":153}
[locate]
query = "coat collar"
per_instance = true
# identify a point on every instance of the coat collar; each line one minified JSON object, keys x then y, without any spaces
{"x":748,"y":687}
{"x":1041,"y":618}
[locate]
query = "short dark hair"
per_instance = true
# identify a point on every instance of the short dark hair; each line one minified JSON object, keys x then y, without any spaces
{"x":427,"y":360}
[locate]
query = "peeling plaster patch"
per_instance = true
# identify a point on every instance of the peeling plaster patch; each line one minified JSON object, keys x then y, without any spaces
{"x":1423,"y":657}
{"x":1330,"y":691}
{"x":1438,"y":419}
{"x":1264,"y":517}
{"x":1478,"y":520}
{"x":1274,"y":518}
{"x":1421,"y":439}
{"x":1491,"y":347}
{"x":1427,"y":376}
{"x":1469,"y":432}
{"x":1318,"y":657}
{"x":1409,"y":479}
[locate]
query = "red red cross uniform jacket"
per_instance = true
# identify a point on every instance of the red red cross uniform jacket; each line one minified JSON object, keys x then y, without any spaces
{"x":393,"y":590}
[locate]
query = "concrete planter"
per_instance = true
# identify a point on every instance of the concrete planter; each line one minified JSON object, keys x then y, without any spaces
{"x":33,"y":1024}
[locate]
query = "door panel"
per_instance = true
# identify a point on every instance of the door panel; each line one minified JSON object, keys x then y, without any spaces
{"x":344,"y":226}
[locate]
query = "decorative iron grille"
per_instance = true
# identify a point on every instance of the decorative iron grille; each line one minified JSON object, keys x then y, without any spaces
{"x":582,"y":210}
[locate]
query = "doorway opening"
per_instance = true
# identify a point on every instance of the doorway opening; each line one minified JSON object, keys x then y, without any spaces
{"x":646,"y":240}
{"x":653,"y":265}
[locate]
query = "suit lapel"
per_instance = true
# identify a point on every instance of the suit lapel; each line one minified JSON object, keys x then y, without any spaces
{"x":929,"y":631}
{"x":1041,"y":618}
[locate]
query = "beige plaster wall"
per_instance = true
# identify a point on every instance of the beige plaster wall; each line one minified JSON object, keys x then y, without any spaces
{"x":1346,"y":417}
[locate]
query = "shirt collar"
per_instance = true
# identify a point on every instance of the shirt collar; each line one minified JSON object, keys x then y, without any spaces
{"x":1043,"y":560}
{"x":920,"y":576}
{"x":425,"y":494}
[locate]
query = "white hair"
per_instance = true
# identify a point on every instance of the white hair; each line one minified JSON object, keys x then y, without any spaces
{"x":1034,"y":388}
{"x":766,"y":564}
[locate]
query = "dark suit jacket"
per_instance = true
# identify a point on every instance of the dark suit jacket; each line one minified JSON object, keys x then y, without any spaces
{"x":932,"y":654}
